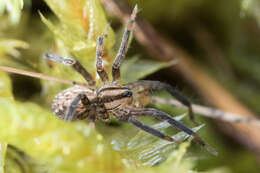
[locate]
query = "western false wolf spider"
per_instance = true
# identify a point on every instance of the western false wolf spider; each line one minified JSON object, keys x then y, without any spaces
{"x":88,"y":101}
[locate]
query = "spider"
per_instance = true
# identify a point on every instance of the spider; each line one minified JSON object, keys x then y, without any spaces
{"x":88,"y":101}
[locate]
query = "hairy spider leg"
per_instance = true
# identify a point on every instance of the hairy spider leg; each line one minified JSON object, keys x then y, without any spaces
{"x":163,"y":116}
{"x":99,"y":53}
{"x":157,"y":85}
{"x":123,"y":46}
{"x":74,"y":63}
{"x":70,"y":113}
{"x":151,"y":130}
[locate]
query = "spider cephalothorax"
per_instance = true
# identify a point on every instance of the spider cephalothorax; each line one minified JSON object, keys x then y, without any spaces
{"x":124,"y":102}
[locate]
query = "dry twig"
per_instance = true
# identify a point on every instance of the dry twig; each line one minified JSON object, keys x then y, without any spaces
{"x":211,"y":112}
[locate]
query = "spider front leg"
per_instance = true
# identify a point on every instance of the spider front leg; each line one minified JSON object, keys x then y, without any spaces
{"x":123,"y":46}
{"x":71,"y":110}
{"x":99,"y":64}
{"x":74,"y":63}
{"x":163,"y":116}
{"x":157,"y":85}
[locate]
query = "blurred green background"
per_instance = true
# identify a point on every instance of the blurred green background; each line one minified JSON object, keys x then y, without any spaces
{"x":222,"y":37}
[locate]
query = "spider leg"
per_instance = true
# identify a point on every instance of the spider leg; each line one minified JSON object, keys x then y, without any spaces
{"x":150,"y":130}
{"x":157,"y":85}
{"x":99,"y":64}
{"x":74,"y":63}
{"x":124,"y":46}
{"x":70,"y":113}
{"x":163,"y":116}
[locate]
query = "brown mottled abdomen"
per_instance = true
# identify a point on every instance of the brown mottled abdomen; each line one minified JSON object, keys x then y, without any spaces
{"x":62,"y":101}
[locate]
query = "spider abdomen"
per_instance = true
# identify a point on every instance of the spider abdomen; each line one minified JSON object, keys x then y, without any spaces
{"x":63,"y":100}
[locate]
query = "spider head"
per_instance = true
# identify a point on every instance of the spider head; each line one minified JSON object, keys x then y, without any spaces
{"x":115,"y":97}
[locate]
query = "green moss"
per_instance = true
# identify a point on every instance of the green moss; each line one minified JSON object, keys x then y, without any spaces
{"x":3,"y":148}
{"x":13,"y":7}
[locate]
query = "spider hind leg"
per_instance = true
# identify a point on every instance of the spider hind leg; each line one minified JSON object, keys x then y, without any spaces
{"x":151,"y":130}
{"x":163,"y":116}
{"x":149,"y":86}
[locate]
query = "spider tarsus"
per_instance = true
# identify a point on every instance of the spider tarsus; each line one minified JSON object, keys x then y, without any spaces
{"x":132,"y":18}
{"x":134,"y":13}
{"x":204,"y":145}
{"x":211,"y":150}
{"x":56,"y":58}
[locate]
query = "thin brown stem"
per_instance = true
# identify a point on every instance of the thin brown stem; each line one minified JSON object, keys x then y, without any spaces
{"x":39,"y":75}
{"x":211,"y":112}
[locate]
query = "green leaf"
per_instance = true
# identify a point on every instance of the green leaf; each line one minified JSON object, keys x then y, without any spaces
{"x":5,"y":86}
{"x":135,"y":68}
{"x":175,"y":163}
{"x":13,"y":7}
{"x":10,"y":46}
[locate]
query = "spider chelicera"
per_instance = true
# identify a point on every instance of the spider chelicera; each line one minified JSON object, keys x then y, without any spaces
{"x":88,"y":101}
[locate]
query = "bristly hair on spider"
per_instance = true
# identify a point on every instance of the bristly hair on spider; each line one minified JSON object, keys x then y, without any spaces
{"x":89,"y":101}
